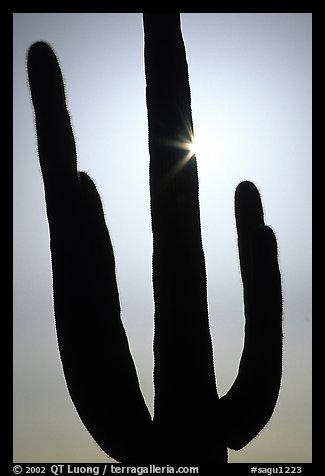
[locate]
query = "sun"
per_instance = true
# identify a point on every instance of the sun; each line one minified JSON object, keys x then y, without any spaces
{"x":207,"y":148}
{"x":190,"y":147}
{"x":203,"y":147}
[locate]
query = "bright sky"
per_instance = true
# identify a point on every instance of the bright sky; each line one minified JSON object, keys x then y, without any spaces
{"x":250,"y":77}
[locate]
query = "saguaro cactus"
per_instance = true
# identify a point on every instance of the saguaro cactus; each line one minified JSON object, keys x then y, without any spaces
{"x":191,"y":423}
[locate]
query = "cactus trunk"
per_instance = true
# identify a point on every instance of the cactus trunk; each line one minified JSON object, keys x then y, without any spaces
{"x":185,"y":390}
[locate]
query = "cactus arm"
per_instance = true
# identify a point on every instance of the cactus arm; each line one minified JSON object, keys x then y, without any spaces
{"x":185,"y":391}
{"x":250,"y":402}
{"x":97,"y":363}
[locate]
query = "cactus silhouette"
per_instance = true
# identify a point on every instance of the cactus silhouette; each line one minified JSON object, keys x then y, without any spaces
{"x":191,"y":423}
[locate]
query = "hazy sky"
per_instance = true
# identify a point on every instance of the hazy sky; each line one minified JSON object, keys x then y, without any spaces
{"x":250,"y":78}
